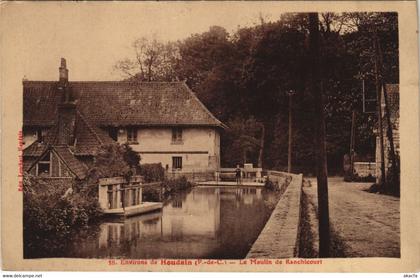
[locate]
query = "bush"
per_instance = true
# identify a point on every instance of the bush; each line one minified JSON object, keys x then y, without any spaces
{"x":115,"y":160}
{"x":175,"y":185}
{"x":269,"y":185}
{"x":49,"y":213}
{"x":151,"y":194}
{"x":152,"y":172}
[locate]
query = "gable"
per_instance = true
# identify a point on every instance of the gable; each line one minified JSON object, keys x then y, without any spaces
{"x":57,"y":161}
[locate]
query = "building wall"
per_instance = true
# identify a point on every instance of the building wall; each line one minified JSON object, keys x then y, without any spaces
{"x":30,"y":135}
{"x":199,"y":148}
{"x":57,"y":168}
{"x":396,"y":138}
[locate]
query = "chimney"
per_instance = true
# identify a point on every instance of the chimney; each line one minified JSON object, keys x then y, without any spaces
{"x":63,"y":72}
{"x":66,"y":109}
{"x":66,"y":123}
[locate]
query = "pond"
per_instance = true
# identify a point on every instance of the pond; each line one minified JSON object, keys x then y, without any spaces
{"x":206,"y":222}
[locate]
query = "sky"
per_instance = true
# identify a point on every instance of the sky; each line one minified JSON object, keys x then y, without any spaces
{"x":94,"y":36}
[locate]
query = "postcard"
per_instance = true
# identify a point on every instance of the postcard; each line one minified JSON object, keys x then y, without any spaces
{"x":272,"y":136}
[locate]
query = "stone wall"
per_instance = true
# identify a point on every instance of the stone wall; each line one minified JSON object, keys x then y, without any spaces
{"x":365,"y":169}
{"x":280,"y":236}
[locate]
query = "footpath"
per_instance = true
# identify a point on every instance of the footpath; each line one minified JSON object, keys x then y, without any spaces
{"x":363,"y":224}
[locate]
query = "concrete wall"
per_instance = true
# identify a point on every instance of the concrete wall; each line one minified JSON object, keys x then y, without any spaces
{"x":199,"y":148}
{"x":280,"y":236}
{"x":365,"y":169}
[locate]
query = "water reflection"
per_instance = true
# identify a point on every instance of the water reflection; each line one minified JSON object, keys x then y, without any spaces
{"x":207,"y":222}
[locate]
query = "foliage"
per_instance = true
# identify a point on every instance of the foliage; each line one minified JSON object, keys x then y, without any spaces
{"x":153,"y":61}
{"x":115,"y":160}
{"x":151,"y":194}
{"x":152,"y":172}
{"x":51,"y":213}
{"x":246,"y":75}
{"x":175,"y":185}
{"x":269,"y":185}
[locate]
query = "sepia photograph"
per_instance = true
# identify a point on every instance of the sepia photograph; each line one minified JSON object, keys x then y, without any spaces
{"x":148,"y":135}
{"x":201,"y":139}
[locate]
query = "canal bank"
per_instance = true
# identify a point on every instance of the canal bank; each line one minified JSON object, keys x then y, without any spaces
{"x":280,"y":235}
{"x":203,"y":222}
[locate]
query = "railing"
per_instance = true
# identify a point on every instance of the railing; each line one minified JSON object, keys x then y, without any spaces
{"x":191,"y":175}
{"x":115,"y":193}
{"x":248,"y":174}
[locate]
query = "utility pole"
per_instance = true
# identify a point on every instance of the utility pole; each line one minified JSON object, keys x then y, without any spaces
{"x":289,"y":157}
{"x":320,"y":150}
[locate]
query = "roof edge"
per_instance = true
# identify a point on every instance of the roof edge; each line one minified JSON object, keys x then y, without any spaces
{"x":219,"y":123}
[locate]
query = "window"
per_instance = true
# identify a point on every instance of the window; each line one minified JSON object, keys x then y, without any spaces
{"x":177,"y":135}
{"x":177,"y":162}
{"x":44,"y":166}
{"x":39,"y":135}
{"x":113,"y":133}
{"x":132,"y":135}
{"x":177,"y":203}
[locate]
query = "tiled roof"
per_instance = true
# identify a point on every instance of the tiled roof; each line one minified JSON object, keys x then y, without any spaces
{"x":40,"y":101}
{"x":75,"y":165}
{"x":37,"y":148}
{"x":88,"y":137}
{"x":119,"y":103}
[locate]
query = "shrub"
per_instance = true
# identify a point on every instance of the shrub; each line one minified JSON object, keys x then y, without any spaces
{"x":152,"y":172}
{"x":151,"y":194}
{"x":269,"y":185}
{"x":174,"y":185}
{"x":48,"y":213}
{"x":115,"y":160}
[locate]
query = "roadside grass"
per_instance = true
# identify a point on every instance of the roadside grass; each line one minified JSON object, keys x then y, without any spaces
{"x":309,"y":236}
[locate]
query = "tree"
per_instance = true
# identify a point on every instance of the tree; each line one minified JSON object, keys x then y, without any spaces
{"x":115,"y":160}
{"x":249,"y":136}
{"x":247,"y":74}
{"x":321,"y":156}
{"x":154,"y":61}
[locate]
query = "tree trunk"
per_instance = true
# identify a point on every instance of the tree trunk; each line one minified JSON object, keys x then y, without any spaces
{"x":352,"y":141}
{"x":389,"y":133}
{"x":320,"y":150}
{"x":382,"y":180}
{"x":289,"y":155}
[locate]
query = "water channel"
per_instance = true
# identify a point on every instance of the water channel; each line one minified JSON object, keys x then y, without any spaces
{"x":206,"y":222}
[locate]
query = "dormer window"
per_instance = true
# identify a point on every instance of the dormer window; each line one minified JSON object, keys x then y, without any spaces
{"x":39,"y":135}
{"x":44,"y":166}
{"x":176,"y":135}
{"x":132,"y":135}
{"x":113,"y":133}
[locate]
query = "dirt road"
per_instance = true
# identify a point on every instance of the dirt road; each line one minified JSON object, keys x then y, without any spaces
{"x":365,"y":224}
